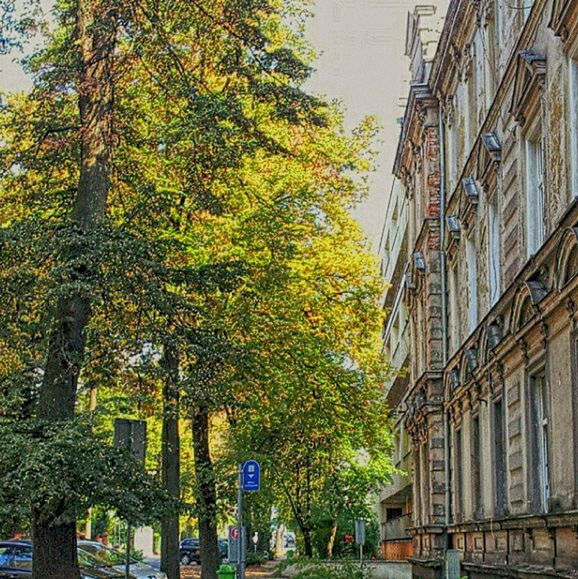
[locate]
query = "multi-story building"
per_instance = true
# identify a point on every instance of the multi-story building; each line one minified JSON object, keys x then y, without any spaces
{"x":395,"y":500}
{"x":488,"y":160}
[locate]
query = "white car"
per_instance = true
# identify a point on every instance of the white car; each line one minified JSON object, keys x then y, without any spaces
{"x":117,"y":560}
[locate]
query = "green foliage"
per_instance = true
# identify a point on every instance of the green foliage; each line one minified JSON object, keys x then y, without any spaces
{"x":42,"y":463}
{"x":228,"y":235}
{"x":318,"y":570}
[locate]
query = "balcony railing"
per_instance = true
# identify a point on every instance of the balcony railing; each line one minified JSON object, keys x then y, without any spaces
{"x":397,"y":528}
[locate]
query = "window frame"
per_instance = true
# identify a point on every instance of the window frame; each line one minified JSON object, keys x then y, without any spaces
{"x":573,"y":132}
{"x":494,"y":250}
{"x":476,"y":463}
{"x":458,"y":475}
{"x":535,"y":188}
{"x":472,"y":278}
{"x":539,"y":436}
{"x":499,"y":456}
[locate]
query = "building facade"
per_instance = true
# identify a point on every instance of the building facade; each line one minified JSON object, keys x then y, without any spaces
{"x":394,"y":507}
{"x":488,"y":162}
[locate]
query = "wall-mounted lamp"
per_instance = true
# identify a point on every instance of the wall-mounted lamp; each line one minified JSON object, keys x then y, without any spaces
{"x":419,"y":261}
{"x":454,"y":226}
{"x":492,"y":145}
{"x":495,"y":335}
{"x":454,"y":377}
{"x":471,"y":190}
{"x":472,"y":359}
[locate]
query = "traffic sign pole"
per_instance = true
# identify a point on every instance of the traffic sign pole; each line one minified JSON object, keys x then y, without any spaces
{"x":240,"y":550}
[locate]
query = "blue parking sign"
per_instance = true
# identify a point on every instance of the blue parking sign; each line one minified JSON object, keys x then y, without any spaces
{"x":251,"y":476}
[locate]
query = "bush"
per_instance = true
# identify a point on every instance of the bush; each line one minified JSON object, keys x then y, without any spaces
{"x":341,"y":570}
{"x":255,"y":559}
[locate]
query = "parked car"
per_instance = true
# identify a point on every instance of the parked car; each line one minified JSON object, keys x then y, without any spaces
{"x":117,"y":560}
{"x":16,"y":562}
{"x":190,"y":551}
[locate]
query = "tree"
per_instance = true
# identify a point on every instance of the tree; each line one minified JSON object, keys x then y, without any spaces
{"x":105,"y":71}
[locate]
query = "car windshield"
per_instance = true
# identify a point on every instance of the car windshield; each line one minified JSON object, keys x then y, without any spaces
{"x":88,"y":561}
{"x":105,"y":554}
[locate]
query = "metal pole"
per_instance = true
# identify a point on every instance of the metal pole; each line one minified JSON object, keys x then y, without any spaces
{"x":127,"y":560}
{"x":361,"y":554}
{"x":240,"y":553}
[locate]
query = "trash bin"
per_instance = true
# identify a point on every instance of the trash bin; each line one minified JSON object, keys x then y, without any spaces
{"x":226,"y":572}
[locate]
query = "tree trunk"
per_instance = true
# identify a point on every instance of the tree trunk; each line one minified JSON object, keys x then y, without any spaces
{"x":54,"y":541}
{"x":171,"y":473}
{"x":206,"y":494}
{"x":307,"y":542}
{"x":331,"y":542}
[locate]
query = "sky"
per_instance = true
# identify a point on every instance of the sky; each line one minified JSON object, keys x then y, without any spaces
{"x":361,"y":63}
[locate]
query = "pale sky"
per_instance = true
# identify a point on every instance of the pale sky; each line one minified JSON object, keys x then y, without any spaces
{"x":361,"y":63}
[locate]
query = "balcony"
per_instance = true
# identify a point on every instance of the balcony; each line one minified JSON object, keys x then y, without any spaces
{"x":397,"y":529}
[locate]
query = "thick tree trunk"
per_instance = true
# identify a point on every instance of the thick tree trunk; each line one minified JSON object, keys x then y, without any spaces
{"x":171,"y":469}
{"x":206,"y":494}
{"x":331,"y":542}
{"x":55,"y":542}
{"x":307,"y":542}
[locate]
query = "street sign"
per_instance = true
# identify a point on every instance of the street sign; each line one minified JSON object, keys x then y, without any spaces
{"x":251,"y":476}
{"x":132,"y":435}
{"x":234,"y":536}
{"x":360,"y":532}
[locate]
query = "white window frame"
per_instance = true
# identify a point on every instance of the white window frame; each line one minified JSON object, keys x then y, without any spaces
{"x":494,"y":254}
{"x":453,"y":307}
{"x":526,"y":6}
{"x":573,"y":108}
{"x":535,"y":191}
{"x":540,"y":394}
{"x":472,"y":265}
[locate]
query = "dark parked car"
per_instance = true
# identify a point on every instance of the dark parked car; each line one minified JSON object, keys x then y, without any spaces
{"x":117,"y":560}
{"x":190,"y":550}
{"x":16,"y":562}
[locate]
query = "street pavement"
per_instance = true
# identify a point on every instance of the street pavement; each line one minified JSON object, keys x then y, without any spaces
{"x":194,"y":572}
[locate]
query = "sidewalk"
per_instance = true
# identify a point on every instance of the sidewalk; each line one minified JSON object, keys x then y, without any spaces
{"x":194,"y":572}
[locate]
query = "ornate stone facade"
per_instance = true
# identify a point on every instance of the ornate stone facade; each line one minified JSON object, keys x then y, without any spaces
{"x":488,"y":157}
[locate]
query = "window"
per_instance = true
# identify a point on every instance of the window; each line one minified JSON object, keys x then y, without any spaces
{"x":5,"y":556}
{"x":539,"y":416}
{"x":573,"y":72}
{"x":494,"y":251}
{"x":575,"y":403}
{"x":499,"y":462}
{"x":526,"y":6}
{"x":452,"y":156}
{"x":490,"y":63}
{"x":459,"y":475}
{"x":472,"y":264}
{"x":467,"y":115}
{"x":22,"y":558}
{"x":453,"y":307}
{"x":534,"y":193}
{"x":424,"y":483}
{"x":417,"y":486}
{"x":476,"y":462}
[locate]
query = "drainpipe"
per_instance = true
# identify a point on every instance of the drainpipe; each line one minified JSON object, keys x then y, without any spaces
{"x":444,"y":306}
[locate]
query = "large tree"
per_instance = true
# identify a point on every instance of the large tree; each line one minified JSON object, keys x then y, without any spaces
{"x":197,"y":208}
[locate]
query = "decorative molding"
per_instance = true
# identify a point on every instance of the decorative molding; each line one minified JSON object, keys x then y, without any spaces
{"x":528,"y":83}
{"x":561,"y":17}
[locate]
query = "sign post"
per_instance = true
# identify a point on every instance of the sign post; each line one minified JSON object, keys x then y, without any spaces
{"x":249,"y":480}
{"x":234,"y":536}
{"x":360,"y":537}
{"x":132,"y":435}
